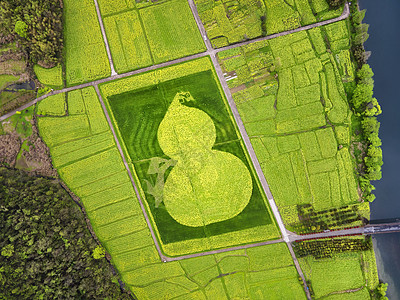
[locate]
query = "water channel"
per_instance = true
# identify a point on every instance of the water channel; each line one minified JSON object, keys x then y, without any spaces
{"x":384,"y":42}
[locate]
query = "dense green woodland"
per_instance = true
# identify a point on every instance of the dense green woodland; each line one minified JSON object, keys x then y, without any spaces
{"x":38,"y":24}
{"x":47,"y":251}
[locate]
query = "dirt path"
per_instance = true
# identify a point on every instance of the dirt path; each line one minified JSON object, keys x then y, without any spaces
{"x":103,"y":32}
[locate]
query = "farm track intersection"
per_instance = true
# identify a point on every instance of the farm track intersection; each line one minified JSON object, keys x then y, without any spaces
{"x":288,"y":237}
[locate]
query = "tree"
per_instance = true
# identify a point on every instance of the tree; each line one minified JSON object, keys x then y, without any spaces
{"x":380,"y":291}
{"x":362,"y":95}
{"x":370,"y":126}
{"x":365,"y":74}
{"x":335,"y":3}
{"x":38,"y":23}
{"x":21,"y":28}
{"x":372,"y":108}
{"x":99,"y":252}
{"x":358,"y":16}
{"x":46,"y":246}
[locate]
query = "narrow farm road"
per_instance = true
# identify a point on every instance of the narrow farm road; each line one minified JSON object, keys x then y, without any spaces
{"x":103,"y":32}
{"x":129,"y":173}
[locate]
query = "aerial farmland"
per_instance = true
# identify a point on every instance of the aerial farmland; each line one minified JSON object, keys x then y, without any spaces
{"x":213,"y":147}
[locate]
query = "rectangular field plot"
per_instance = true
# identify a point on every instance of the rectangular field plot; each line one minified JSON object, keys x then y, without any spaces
{"x":127,"y":41}
{"x":191,"y":165}
{"x":332,"y":275}
{"x":294,"y":108}
{"x":242,"y":279}
{"x":85,"y":54}
{"x":170,"y":34}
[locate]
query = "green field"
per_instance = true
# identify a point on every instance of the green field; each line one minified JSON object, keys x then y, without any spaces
{"x":54,"y":106}
{"x":174,"y":167}
{"x":85,"y":54}
{"x":265,"y":272}
{"x":128,"y":42}
{"x":295,"y":111}
{"x":50,"y":77}
{"x":340,"y":277}
{"x":232,"y":22}
{"x":171,"y":35}
{"x":143,"y":34}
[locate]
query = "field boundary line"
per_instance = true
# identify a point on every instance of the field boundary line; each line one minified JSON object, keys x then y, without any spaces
{"x":109,"y":204}
{"x":103,"y":32}
{"x":71,"y":162}
{"x":163,"y":258}
{"x":122,"y":219}
{"x":123,"y":235}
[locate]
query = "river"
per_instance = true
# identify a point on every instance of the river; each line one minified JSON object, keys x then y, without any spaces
{"x":384,"y":42}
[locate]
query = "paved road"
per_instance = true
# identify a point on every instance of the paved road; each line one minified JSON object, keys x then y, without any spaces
{"x":103,"y":32}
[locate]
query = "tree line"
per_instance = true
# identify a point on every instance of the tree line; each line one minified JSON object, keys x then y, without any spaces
{"x":47,"y":251}
{"x":37,"y":25}
{"x":365,"y":106}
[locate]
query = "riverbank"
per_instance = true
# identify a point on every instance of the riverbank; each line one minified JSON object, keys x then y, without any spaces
{"x":384,"y":44}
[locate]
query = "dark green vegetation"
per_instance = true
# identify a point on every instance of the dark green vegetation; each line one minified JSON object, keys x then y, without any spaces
{"x":30,"y":33}
{"x":311,"y":220}
{"x":380,"y":291}
{"x":38,"y":24}
{"x":335,"y":3}
{"x":140,"y":138}
{"x":366,"y":108}
{"x":327,"y":248}
{"x":46,"y":247}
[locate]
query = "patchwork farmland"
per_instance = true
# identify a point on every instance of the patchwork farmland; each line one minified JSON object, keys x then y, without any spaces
{"x":162,"y":169}
{"x":229,"y":22}
{"x":290,"y":94}
{"x":142,"y":34}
